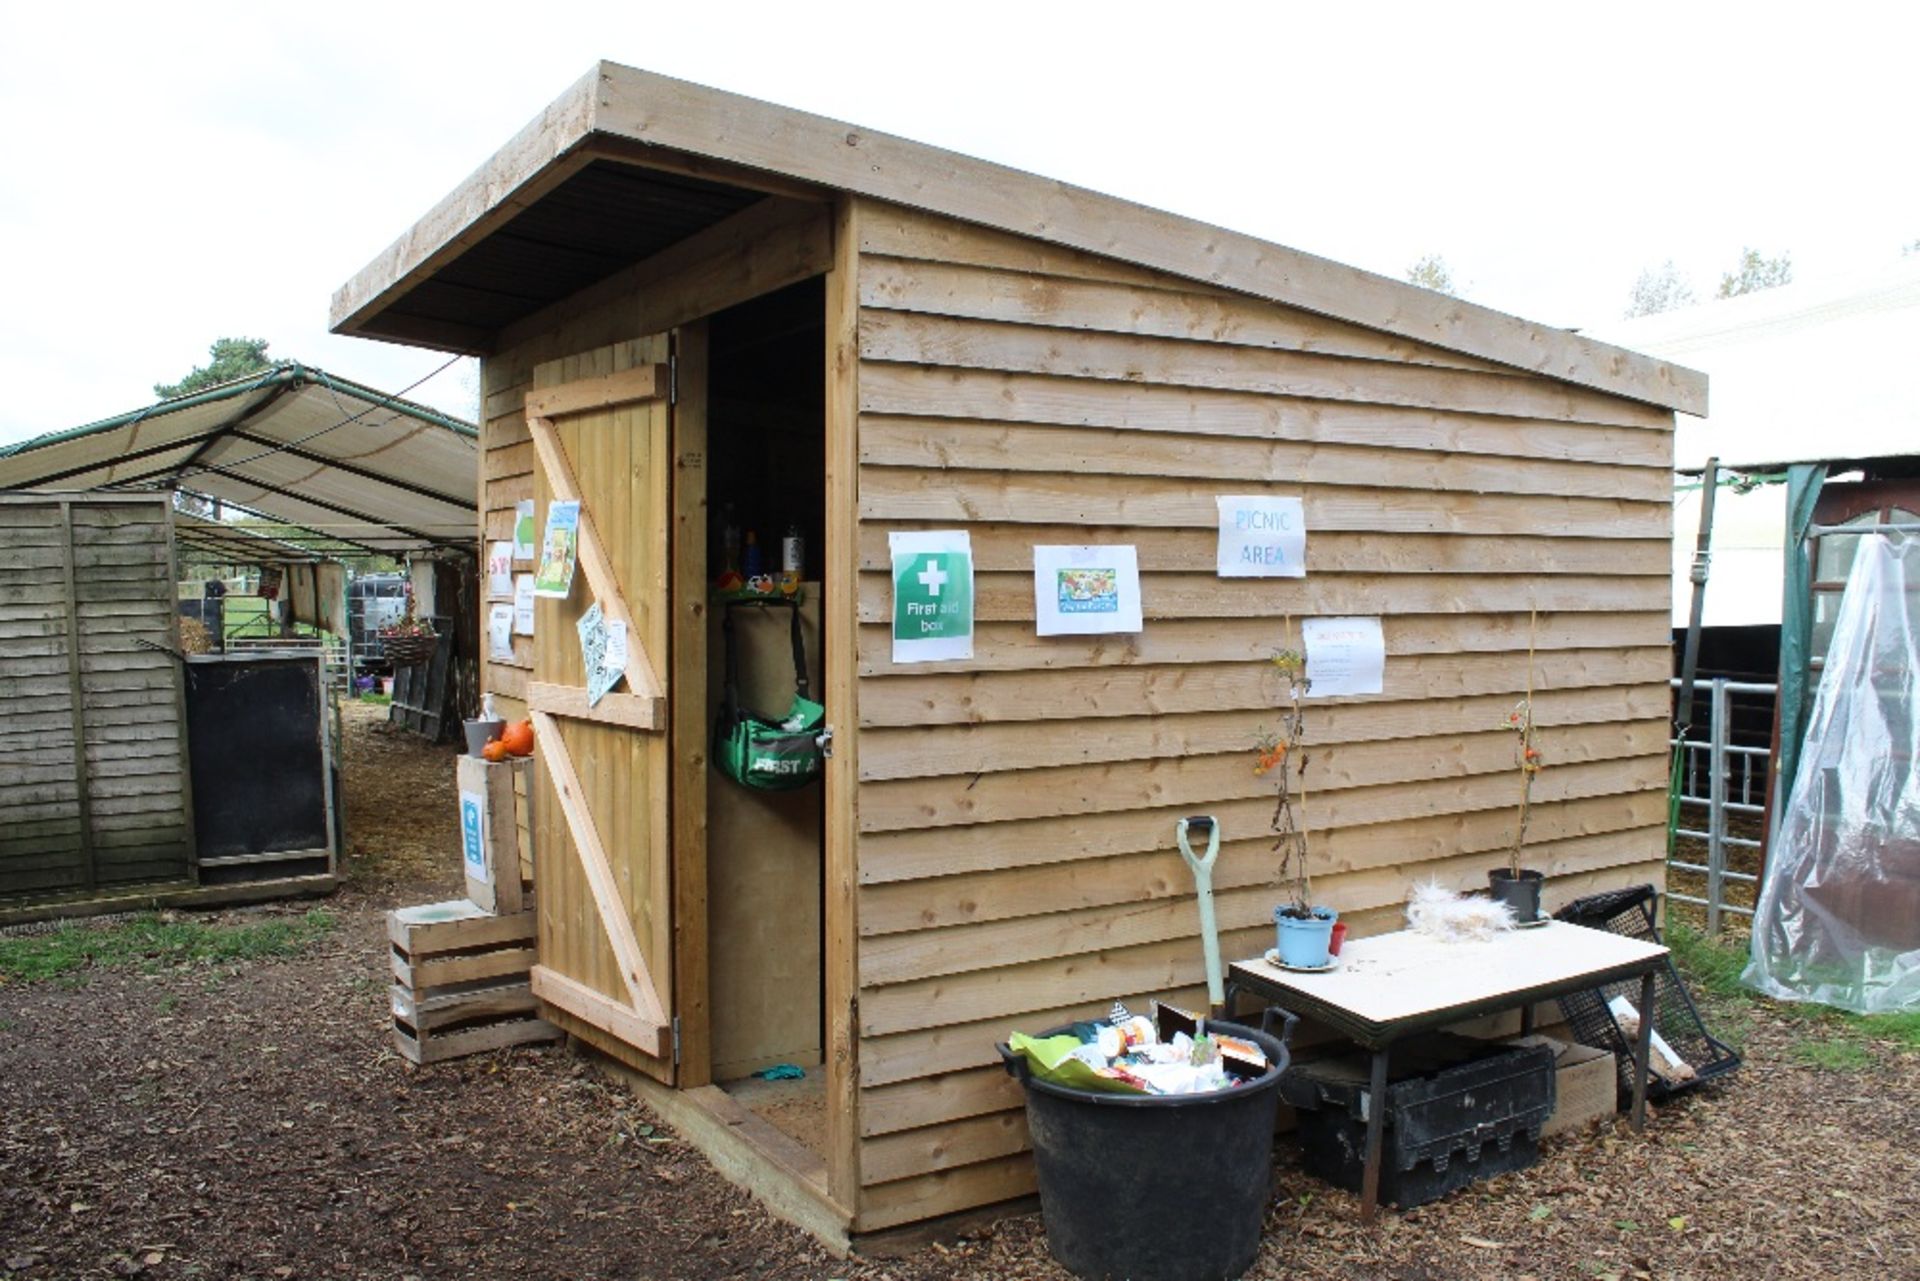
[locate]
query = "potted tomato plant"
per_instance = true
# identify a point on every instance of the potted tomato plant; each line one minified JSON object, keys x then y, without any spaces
{"x":1516,"y":886}
{"x":1303,"y":929}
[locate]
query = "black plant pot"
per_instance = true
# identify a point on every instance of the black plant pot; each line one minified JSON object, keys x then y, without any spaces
{"x":1521,"y":893}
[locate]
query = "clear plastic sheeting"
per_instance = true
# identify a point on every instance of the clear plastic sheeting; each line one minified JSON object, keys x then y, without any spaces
{"x":1838,"y":919}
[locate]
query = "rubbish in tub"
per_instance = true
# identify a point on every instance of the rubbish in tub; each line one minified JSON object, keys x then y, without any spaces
{"x":1236,"y":1053}
{"x":1133,"y":1058}
{"x":1436,"y":911}
{"x":1240,"y":1057}
{"x":1665,"y":1063}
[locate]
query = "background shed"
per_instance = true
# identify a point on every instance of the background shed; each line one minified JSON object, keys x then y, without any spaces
{"x":908,"y":339}
{"x":94,"y":792}
{"x":219,"y":786}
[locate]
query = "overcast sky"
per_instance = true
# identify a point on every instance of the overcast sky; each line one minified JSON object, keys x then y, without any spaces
{"x":175,"y":172}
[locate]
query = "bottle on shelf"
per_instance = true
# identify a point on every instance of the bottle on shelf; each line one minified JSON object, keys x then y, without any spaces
{"x":729,"y":541}
{"x":793,"y":559}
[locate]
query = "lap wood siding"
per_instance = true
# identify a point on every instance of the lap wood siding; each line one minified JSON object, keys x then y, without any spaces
{"x":1015,"y":812}
{"x":93,"y":782}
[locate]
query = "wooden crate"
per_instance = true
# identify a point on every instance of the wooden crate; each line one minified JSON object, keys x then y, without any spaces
{"x":496,"y":880}
{"x":460,"y":981}
{"x":1586,"y":1088}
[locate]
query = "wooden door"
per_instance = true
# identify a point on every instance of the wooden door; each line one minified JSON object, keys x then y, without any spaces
{"x":600,"y":427}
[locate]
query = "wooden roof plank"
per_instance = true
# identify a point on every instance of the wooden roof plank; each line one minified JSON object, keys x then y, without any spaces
{"x":684,"y":119}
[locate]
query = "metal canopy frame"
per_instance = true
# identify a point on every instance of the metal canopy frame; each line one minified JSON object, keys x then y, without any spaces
{"x":395,"y":491}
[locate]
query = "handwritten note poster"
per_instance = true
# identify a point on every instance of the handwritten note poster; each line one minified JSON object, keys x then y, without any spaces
{"x":1344,"y":656}
{"x":1262,"y":537}
{"x":523,"y":604}
{"x":500,"y":632}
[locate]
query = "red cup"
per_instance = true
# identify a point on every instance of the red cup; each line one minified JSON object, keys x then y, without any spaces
{"x":1339,"y":937}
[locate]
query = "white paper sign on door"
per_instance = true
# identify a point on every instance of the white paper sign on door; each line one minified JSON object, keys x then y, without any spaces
{"x":523,"y":604}
{"x":499,"y":570}
{"x":500,"y":632}
{"x":1262,"y":537}
{"x":1344,"y":656}
{"x":1082,"y":591}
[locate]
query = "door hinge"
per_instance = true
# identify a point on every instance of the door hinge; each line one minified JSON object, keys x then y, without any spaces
{"x":676,"y":1039}
{"x":673,"y":379}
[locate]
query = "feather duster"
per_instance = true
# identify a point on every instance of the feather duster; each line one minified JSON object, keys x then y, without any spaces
{"x":1456,"y":918}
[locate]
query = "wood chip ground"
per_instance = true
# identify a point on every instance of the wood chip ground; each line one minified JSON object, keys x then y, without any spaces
{"x":254,"y":1122}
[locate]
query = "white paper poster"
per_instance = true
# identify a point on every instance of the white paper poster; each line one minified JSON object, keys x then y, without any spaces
{"x":932,"y":595}
{"x":1262,"y":537}
{"x":473,"y":836}
{"x":1344,"y":656}
{"x":499,"y":570}
{"x":603,"y":652}
{"x":500,"y":632}
{"x":1082,"y":591}
{"x":523,"y":529}
{"x":523,"y":604}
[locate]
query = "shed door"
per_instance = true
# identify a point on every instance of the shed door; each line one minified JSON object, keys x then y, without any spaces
{"x":600,"y":429}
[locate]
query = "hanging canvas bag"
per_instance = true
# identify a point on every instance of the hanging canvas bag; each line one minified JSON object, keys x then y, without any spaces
{"x":760,"y":751}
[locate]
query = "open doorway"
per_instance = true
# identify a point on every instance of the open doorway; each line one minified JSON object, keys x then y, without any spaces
{"x":766,"y":488}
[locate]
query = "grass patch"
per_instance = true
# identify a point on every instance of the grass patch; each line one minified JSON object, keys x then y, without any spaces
{"x":150,"y":943}
{"x":1902,"y":1029}
{"x":1709,"y":964}
{"x":1839,"y":1055}
{"x":1834,"y":1037}
{"x":373,"y":696}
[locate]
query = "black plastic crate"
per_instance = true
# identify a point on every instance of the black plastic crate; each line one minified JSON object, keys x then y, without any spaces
{"x":1630,"y":912}
{"x":1457,"y":1110}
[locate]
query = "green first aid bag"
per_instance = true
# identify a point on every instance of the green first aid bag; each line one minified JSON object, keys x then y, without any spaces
{"x":759,"y":751}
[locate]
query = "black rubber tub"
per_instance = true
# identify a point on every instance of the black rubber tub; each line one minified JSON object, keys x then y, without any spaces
{"x":1154,"y":1187}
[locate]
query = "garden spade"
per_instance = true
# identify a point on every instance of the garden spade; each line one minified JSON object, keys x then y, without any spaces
{"x":1205,"y":825}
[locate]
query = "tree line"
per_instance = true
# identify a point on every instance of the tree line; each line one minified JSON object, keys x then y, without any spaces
{"x":1658,"y":289}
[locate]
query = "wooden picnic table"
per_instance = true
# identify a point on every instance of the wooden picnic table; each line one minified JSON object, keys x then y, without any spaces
{"x":1389,"y":986}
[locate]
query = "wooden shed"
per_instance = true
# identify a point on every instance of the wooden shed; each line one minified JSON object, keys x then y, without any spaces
{"x":688,"y":301}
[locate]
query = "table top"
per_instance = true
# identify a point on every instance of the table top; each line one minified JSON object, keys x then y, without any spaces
{"x":1406,"y":980}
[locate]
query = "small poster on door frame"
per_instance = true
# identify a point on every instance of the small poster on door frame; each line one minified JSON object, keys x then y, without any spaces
{"x":523,"y":530}
{"x":499,"y":570}
{"x":559,"y":551}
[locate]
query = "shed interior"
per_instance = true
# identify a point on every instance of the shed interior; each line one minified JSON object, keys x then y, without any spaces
{"x":766,"y":441}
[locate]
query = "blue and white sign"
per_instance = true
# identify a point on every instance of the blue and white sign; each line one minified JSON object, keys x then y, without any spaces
{"x":1262,"y":537}
{"x":473,"y":836}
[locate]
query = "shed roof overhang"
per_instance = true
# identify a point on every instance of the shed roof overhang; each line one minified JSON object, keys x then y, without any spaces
{"x":339,"y":468}
{"x":627,"y":162}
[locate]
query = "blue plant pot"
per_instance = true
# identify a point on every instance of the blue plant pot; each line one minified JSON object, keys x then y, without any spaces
{"x":1304,"y":943}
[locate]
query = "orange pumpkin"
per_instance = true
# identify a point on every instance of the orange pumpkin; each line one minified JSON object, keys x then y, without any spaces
{"x":495,"y":750}
{"x":519,"y":738}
